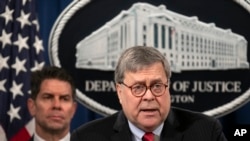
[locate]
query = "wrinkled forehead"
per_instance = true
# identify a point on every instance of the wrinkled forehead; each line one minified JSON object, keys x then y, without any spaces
{"x":130,"y":67}
{"x":155,"y":69}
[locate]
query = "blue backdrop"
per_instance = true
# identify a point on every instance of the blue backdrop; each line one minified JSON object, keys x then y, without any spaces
{"x":49,"y":10}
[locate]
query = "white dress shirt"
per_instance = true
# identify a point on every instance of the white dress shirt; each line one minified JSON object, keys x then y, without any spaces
{"x":38,"y":138}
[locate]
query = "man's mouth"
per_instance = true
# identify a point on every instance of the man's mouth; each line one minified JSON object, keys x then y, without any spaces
{"x":149,"y":110}
{"x":56,"y":117}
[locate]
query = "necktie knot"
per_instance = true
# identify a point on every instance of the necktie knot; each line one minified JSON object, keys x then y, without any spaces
{"x":149,"y":136}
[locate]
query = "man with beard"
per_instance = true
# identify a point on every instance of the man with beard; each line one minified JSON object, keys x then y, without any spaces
{"x":52,"y":104}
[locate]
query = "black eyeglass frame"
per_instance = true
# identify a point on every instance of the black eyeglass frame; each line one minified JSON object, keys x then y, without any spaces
{"x":147,"y":87}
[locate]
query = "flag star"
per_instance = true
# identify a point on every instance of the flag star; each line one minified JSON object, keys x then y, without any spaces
{"x":21,"y":42}
{"x":35,"y":22}
{"x":37,"y":66}
{"x":16,"y":89}
{"x":4,"y":63}
{"x":13,"y":112}
{"x":2,"y":82}
{"x":24,"y":1}
{"x":19,"y":66}
{"x":24,"y":19}
{"x":38,"y":44}
{"x":7,"y":15}
{"x":5,"y":38}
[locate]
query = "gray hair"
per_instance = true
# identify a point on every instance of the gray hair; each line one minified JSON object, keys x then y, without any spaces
{"x":138,"y":57}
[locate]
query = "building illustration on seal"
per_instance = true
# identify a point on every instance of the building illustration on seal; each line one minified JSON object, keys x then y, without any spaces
{"x":188,"y":44}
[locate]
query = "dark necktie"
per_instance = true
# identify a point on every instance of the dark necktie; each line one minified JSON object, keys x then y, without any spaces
{"x":149,"y":136}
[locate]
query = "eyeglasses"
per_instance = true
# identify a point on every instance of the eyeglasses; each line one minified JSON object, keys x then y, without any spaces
{"x":139,"y":90}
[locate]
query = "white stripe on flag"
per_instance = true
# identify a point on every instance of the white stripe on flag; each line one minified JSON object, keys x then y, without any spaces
{"x":2,"y":134}
{"x":30,"y":127}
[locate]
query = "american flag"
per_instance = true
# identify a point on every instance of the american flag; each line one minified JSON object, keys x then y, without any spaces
{"x":21,"y":52}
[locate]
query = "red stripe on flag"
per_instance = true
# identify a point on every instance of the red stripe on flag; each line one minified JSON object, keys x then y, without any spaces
{"x":22,"y":134}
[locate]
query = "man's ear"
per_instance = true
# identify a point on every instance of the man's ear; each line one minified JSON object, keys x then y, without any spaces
{"x":74,"y":109}
{"x":31,"y":106}
{"x":119,"y":92}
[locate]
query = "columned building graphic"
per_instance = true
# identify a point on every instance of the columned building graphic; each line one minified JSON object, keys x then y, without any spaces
{"x":188,"y":44}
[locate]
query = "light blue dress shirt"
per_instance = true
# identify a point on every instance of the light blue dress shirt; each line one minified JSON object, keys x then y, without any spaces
{"x":137,"y":133}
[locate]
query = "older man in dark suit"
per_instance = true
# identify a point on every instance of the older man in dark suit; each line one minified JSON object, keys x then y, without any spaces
{"x":142,"y":79}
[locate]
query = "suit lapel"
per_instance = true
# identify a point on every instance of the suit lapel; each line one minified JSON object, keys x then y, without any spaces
{"x":171,"y":134}
{"x":32,"y":138}
{"x":123,"y":135}
{"x":170,"y":130}
{"x":121,"y":129}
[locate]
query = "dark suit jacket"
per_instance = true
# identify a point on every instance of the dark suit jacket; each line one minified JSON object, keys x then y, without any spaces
{"x":181,"y":125}
{"x":32,"y":138}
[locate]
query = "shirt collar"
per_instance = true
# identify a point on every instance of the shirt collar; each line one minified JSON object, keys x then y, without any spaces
{"x":38,"y":138}
{"x":138,"y":133}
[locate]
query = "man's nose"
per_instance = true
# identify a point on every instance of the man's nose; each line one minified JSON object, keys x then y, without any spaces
{"x":56,"y":103}
{"x":148,"y":94}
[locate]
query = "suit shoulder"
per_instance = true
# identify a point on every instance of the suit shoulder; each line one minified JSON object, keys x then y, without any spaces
{"x":97,"y":124}
{"x":191,"y":116}
{"x":197,"y":126}
{"x":99,"y":129}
